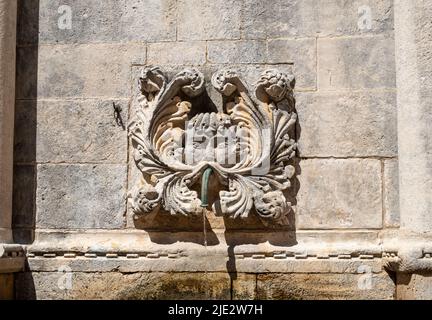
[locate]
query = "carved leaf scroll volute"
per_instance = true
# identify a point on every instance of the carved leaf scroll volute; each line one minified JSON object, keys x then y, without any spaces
{"x":248,"y":146}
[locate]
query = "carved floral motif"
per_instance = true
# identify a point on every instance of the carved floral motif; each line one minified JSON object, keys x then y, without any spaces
{"x":248,"y":145}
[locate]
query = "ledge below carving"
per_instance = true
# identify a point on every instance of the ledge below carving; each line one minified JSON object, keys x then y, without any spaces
{"x":250,"y":252}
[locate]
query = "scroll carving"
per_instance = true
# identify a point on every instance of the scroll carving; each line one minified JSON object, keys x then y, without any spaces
{"x":248,"y":145}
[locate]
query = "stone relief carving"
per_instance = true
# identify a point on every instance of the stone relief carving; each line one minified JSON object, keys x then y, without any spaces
{"x":248,"y":145}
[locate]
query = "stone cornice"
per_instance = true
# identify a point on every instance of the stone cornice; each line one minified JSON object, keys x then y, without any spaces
{"x":133,"y":251}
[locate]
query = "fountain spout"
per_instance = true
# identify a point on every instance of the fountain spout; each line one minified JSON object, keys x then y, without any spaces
{"x":204,"y":187}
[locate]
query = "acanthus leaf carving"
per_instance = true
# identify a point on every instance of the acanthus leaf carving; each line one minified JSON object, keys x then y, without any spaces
{"x":248,"y":144}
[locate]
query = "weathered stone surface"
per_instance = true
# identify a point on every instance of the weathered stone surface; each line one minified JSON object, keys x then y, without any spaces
{"x":240,"y":251}
{"x":24,"y":196}
{"x":91,"y":70}
{"x":273,"y":19}
{"x":288,"y":51}
{"x":414,"y":286}
{"x":338,"y":193}
{"x":413,"y":38}
{"x":264,"y":19}
{"x":177,"y":53}
{"x":80,"y":196}
{"x":237,"y":52}
{"x":347,"y":124}
{"x":391,"y":193}
{"x":208,"y":20}
{"x":113,"y":285}
{"x":244,"y":286}
{"x":301,"y":53}
{"x":6,"y":286}
{"x":81,"y":131}
{"x":325,"y":286}
{"x":356,"y":63}
{"x":193,"y":286}
{"x":95,"y":21}
{"x":145,"y":20}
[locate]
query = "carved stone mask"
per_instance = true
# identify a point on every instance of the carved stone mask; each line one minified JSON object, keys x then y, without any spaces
{"x":248,"y":145}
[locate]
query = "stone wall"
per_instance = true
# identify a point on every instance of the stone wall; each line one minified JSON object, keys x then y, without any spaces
{"x":73,"y":163}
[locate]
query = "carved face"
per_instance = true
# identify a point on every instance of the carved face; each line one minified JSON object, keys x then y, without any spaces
{"x":247,"y":147}
{"x":271,"y":204}
{"x":212,"y":137}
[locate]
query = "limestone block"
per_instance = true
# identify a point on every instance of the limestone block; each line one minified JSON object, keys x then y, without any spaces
{"x":414,"y":286}
{"x":80,"y":196}
{"x":264,"y":19}
{"x":325,"y":286}
{"x":273,"y":19}
{"x":118,"y":286}
{"x":174,"y":258}
{"x":391,"y":193}
{"x":339,"y":194}
{"x":301,"y":53}
{"x":95,"y":70}
{"x":208,"y":19}
{"x":347,"y":124}
{"x":144,"y":20}
{"x":237,"y":52}
{"x":423,"y":32}
{"x":96,"y":21}
{"x":352,"y":17}
{"x":244,"y":286}
{"x":24,"y":196}
{"x":177,"y":53}
{"x":356,"y":63}
{"x":413,"y":34}
{"x":81,"y":131}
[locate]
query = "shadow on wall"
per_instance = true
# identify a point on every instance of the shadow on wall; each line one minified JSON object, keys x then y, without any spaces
{"x":24,"y":193}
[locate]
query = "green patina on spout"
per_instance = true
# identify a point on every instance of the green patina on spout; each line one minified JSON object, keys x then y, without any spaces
{"x":204,"y":187}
